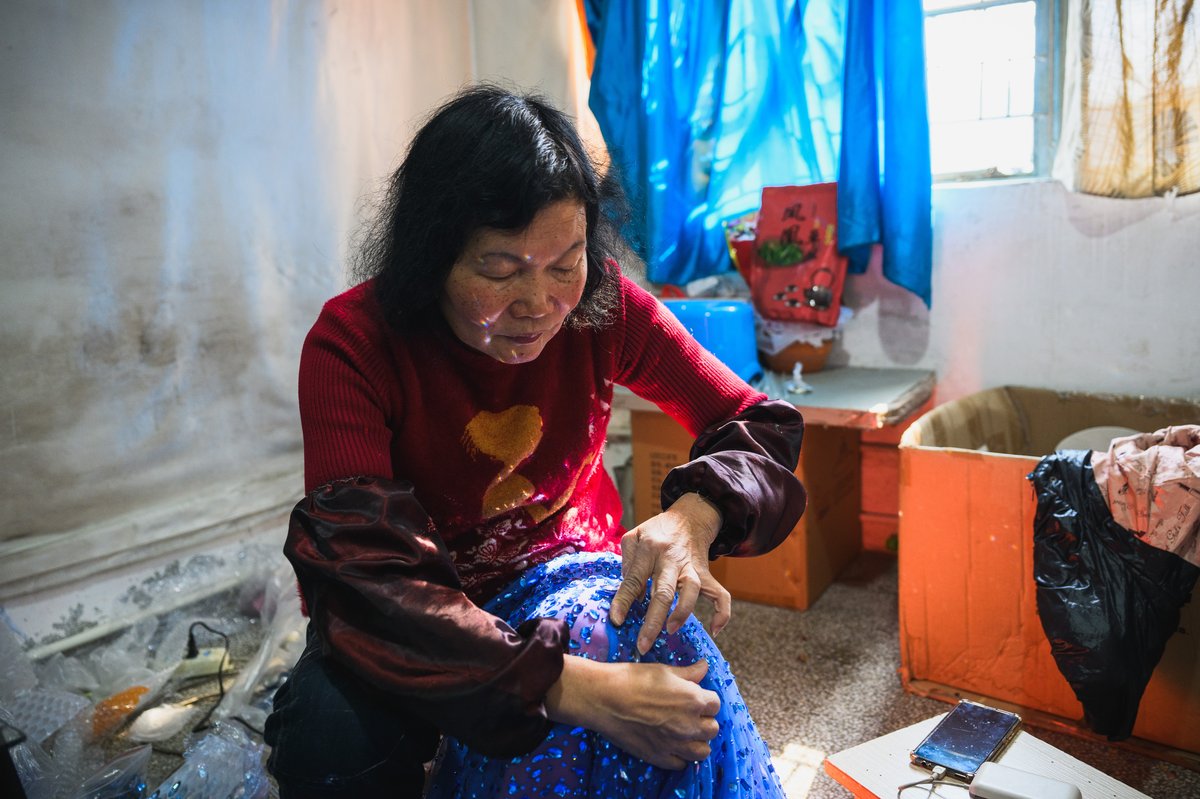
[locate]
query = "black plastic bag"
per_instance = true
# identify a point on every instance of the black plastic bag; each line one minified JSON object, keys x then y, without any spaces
{"x":1107,"y":600}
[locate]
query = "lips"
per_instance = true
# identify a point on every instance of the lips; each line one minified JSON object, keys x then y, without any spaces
{"x":525,"y":339}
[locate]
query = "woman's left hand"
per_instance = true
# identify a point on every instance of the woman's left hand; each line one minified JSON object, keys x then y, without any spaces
{"x":672,"y":550}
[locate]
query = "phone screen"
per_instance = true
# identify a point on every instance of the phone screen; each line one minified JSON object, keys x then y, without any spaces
{"x":968,"y":736}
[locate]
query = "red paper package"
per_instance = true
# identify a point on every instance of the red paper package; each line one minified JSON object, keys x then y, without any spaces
{"x":796,"y":273}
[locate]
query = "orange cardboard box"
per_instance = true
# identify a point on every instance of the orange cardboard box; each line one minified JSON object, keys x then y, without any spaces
{"x":821,"y":545}
{"x":968,"y":614}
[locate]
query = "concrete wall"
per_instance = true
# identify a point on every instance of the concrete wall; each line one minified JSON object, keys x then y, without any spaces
{"x":181,"y":184}
{"x":1034,"y":285}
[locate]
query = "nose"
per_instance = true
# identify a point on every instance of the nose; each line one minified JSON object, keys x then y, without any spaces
{"x":535,"y":298}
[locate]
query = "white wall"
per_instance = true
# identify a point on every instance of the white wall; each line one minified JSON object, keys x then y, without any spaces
{"x":1034,"y":285}
{"x":180,"y":182}
{"x":180,"y":187}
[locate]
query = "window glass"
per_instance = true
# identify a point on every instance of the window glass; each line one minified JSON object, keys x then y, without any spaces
{"x":985,"y":67}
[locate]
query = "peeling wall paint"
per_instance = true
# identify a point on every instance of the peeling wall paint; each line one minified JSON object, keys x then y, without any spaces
{"x":180,"y":184}
{"x":57,"y":621}
{"x":180,"y":188}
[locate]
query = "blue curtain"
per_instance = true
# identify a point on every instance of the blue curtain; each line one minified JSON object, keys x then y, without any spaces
{"x":702,"y":103}
{"x":884,"y":193}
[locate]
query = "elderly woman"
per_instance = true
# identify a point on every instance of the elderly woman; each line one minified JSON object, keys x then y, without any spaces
{"x":460,"y":550}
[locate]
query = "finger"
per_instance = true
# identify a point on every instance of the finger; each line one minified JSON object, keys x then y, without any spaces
{"x":670,"y":762}
{"x":632,"y":589}
{"x":695,"y":672}
{"x":722,"y":604}
{"x":688,"y":589}
{"x":629,"y":547}
{"x":709,"y":701}
{"x":661,"y":596}
{"x":694,"y":751}
{"x":711,"y":704}
{"x":633,"y":585}
{"x":625,"y":596}
{"x":704,"y":730}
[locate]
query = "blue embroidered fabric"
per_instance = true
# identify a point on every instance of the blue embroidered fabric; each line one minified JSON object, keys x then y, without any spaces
{"x":577,"y":762}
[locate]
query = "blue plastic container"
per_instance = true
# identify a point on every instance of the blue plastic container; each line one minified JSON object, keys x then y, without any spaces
{"x":725,"y":328}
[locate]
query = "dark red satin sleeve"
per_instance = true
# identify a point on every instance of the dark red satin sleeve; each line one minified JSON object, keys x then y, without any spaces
{"x":379,"y":585}
{"x":746,"y":467}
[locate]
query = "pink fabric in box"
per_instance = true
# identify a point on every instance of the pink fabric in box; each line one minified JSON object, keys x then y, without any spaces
{"x":1152,"y":484}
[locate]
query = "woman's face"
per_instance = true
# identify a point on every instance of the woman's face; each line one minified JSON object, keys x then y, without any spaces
{"x":509,"y":292}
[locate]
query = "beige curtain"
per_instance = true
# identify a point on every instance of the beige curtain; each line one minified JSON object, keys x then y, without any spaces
{"x":1131,"y":98}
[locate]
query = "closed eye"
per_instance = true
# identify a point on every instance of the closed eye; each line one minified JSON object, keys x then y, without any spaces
{"x":569,"y":270}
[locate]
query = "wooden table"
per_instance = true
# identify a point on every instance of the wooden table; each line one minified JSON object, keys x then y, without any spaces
{"x":852,"y":419}
{"x":857,"y":397}
{"x":876,"y":768}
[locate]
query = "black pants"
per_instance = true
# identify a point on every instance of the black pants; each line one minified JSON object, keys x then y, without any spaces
{"x":332,"y":735}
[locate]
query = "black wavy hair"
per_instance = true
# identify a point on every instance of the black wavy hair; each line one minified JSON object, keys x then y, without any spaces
{"x":487,"y":158}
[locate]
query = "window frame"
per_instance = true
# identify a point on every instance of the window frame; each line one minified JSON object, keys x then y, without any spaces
{"x":1047,"y":92}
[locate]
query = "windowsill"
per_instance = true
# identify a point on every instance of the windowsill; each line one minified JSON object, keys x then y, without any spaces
{"x":987,"y":182}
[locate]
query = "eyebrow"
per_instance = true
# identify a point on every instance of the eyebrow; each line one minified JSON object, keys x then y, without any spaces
{"x":508,"y":256}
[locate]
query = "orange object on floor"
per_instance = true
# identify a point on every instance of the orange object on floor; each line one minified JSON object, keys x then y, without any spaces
{"x":110,"y":713}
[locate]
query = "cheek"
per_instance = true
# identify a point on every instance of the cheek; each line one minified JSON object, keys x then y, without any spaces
{"x":478,"y":303}
{"x":572,"y":294}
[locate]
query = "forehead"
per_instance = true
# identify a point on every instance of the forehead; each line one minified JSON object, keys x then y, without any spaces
{"x":560,"y":224}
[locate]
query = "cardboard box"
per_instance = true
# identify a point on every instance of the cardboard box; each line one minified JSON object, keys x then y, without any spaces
{"x":968,"y":614}
{"x":821,"y":545}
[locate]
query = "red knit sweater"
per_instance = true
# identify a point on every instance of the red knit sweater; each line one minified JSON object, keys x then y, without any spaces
{"x":506,"y":459}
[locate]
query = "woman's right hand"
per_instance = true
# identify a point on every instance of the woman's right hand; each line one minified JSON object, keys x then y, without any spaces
{"x":655,"y":712}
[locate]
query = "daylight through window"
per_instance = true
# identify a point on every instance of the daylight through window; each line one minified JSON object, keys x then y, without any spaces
{"x":989,"y":69}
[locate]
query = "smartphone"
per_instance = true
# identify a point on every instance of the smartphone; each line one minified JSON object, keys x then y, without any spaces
{"x":970,"y":735}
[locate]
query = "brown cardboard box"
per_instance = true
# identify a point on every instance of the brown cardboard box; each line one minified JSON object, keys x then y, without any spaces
{"x":968,"y":614}
{"x":824,"y":542}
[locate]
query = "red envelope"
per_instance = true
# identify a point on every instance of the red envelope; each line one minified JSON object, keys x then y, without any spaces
{"x":796,"y":273}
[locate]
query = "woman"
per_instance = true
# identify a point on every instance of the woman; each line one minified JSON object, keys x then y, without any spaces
{"x":460,"y":551}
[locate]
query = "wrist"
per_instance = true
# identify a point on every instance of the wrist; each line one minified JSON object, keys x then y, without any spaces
{"x":574,"y":698}
{"x":703,"y":515}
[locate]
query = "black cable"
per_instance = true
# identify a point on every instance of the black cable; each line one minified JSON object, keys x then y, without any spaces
{"x":248,"y":725}
{"x":194,"y":651}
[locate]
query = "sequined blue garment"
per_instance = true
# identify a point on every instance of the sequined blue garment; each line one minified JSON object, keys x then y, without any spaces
{"x":575,"y":762}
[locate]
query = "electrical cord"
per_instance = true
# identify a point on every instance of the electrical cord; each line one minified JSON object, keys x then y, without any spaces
{"x":248,"y":725}
{"x":938,"y":779}
{"x":193,"y":651}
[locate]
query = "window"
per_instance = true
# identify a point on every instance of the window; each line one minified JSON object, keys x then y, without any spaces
{"x":990,"y":71}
